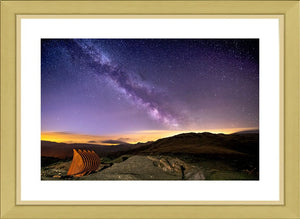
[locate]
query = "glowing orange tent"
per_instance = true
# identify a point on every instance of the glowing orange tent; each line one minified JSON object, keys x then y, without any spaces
{"x":83,"y":163}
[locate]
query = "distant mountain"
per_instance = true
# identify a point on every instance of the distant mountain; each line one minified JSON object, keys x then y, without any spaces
{"x":238,"y":144}
{"x":65,"y":151}
{"x":252,"y":131}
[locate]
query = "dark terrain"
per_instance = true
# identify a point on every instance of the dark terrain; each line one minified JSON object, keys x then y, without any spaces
{"x":188,"y":156}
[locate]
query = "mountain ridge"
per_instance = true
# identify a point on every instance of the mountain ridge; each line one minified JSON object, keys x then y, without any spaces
{"x":184,"y":143}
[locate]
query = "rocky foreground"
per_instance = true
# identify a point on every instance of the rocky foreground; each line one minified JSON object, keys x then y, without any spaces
{"x":152,"y":168}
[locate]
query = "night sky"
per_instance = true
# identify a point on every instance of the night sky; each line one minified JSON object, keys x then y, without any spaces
{"x":125,"y":87}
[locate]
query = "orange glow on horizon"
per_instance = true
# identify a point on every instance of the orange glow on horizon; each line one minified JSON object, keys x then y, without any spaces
{"x":132,"y":137}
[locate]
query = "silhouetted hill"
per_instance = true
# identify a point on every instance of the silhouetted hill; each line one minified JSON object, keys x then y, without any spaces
{"x":65,"y":151}
{"x":186,"y":143}
{"x":204,"y":143}
{"x":253,"y":131}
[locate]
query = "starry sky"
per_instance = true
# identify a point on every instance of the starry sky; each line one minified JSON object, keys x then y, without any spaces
{"x":130,"y":90}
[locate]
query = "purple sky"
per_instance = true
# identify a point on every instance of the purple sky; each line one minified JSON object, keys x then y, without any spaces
{"x":109,"y":86}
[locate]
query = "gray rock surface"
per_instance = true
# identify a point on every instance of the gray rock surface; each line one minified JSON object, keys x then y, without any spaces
{"x":149,"y":168}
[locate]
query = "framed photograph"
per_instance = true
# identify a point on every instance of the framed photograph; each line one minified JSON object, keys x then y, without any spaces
{"x":139,"y":109}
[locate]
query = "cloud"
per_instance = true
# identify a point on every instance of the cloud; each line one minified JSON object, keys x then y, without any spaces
{"x":113,"y":142}
{"x":94,"y":142}
{"x":124,"y":139}
{"x":62,"y":133}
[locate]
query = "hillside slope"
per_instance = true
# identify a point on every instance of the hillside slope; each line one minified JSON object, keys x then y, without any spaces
{"x":204,"y":143}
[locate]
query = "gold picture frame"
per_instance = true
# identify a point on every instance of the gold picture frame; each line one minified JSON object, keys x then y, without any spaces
{"x":12,"y":208}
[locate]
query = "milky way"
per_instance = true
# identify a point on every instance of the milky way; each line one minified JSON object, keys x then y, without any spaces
{"x":138,"y":92}
{"x":97,"y":86}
